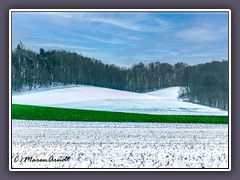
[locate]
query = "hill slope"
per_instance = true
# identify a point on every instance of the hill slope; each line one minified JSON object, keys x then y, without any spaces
{"x":163,"y":101}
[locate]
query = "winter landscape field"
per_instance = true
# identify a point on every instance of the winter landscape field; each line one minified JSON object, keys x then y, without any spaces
{"x":120,"y":89}
{"x":118,"y":145}
{"x":163,"y":101}
{"x":113,"y":144}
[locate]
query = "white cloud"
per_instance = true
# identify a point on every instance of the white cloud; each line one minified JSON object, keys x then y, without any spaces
{"x":109,"y":41}
{"x":61,"y":46}
{"x":127,"y":22}
{"x":202,"y":34}
{"x":123,"y":23}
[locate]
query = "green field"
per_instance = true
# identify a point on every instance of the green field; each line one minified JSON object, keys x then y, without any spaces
{"x":29,"y":112}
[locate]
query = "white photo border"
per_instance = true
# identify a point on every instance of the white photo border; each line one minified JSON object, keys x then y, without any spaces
{"x":119,"y":10}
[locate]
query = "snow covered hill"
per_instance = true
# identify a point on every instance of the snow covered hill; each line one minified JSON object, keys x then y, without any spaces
{"x":166,"y":93}
{"x":163,"y":101}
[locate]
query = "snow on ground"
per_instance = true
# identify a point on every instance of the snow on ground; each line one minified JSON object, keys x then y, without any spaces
{"x":163,"y":101}
{"x":118,"y":145}
{"x":166,"y":93}
{"x":75,"y":94}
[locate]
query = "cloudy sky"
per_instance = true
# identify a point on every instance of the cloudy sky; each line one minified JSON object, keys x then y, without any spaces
{"x":126,"y":38}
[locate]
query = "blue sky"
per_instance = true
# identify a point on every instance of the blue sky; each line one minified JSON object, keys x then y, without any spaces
{"x":126,"y":38}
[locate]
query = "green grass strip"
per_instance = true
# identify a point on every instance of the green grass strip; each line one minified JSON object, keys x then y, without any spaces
{"x":29,"y":112}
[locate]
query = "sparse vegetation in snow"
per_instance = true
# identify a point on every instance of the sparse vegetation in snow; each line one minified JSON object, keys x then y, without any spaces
{"x":120,"y":145}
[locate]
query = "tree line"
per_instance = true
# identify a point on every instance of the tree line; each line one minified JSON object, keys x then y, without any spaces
{"x":207,"y":84}
{"x":204,"y":83}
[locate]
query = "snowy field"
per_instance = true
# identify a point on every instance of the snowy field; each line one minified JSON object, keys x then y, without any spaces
{"x":164,"y":101}
{"x":118,"y":145}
